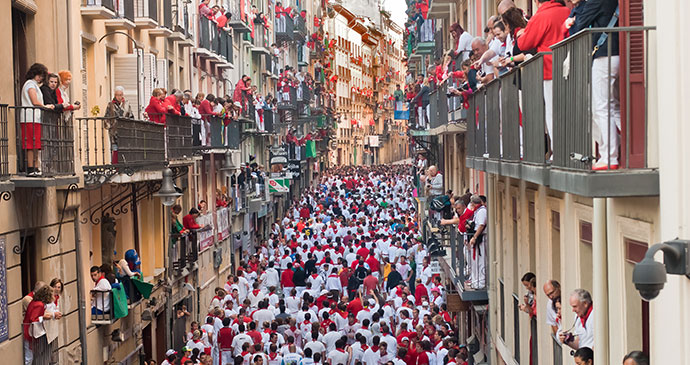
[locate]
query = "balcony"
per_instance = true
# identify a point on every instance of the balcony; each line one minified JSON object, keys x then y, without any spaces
{"x":5,"y":184}
{"x":287,"y":100}
{"x":219,"y":136}
{"x":146,"y":13}
{"x":422,"y":42}
{"x":214,"y":43}
{"x":302,"y":55}
{"x":284,"y":30}
{"x":299,"y":30}
{"x":124,"y":15}
{"x":178,"y":137}
{"x":464,"y":265}
{"x":97,"y":9}
{"x":182,"y":28}
{"x":260,"y":42}
{"x":121,"y":142}
{"x":102,"y":312}
{"x":439,"y":8}
{"x":185,"y":251}
{"x":45,"y":147}
{"x":239,"y":20}
{"x":513,"y":142}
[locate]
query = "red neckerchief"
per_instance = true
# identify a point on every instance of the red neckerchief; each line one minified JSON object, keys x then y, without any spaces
{"x":244,"y":353}
{"x":256,"y":292}
{"x":374,"y":348}
{"x":341,"y":350}
{"x":364,"y":347}
{"x":273,"y":355}
{"x":584,"y":319}
{"x":57,"y":297}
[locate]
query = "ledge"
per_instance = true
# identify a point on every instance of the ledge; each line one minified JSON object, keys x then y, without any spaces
{"x":145,"y":23}
{"x":43,"y":182}
{"x":619,"y":183}
{"x":160,"y":32}
{"x":120,"y":23}
{"x":96,"y":12}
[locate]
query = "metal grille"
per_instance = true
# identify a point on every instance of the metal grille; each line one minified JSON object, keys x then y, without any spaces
{"x":4,"y":144}
{"x":510,"y":117}
{"x":533,"y":122}
{"x":471,"y":127}
{"x":48,"y":136}
{"x":493,"y":119}
{"x":179,"y":136}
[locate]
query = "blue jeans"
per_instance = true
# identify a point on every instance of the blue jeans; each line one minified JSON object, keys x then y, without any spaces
{"x":95,"y":310}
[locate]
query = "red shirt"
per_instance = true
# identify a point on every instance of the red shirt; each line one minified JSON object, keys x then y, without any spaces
{"x":171,"y":100}
{"x":544,"y":30}
{"x":255,"y":335}
{"x":467,"y":214}
{"x":370,"y":283}
{"x":419,"y":292}
{"x":304,"y":213}
{"x":189,"y":222}
{"x":363,"y":252}
{"x":156,"y":110}
{"x":225,"y":338}
{"x":344,"y":277}
{"x":422,"y":358}
{"x":373,"y":264}
{"x":354,"y":306}
{"x":205,"y":108}
{"x":35,"y":310}
{"x":286,"y":278}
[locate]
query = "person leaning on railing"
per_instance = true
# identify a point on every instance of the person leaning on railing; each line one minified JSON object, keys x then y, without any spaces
{"x":36,"y":346}
{"x":156,"y":109}
{"x":119,"y":107}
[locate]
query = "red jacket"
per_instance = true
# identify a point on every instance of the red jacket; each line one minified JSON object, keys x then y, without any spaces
{"x":205,"y":108}
{"x":189,"y":222}
{"x":286,"y":278}
{"x":544,"y":30}
{"x":237,"y":94}
{"x":156,"y":110}
{"x":419,"y":292}
{"x":172,"y":101}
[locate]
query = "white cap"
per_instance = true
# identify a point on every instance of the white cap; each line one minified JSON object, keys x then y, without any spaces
{"x":411,"y":298}
{"x":404,"y":339}
{"x":324,"y":292}
{"x":372,"y":301}
{"x":170,"y":352}
{"x":425,"y":304}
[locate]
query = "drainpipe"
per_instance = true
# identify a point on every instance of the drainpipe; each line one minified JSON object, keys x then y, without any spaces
{"x":600,"y":283}
{"x":68,"y":6}
{"x":80,"y":288}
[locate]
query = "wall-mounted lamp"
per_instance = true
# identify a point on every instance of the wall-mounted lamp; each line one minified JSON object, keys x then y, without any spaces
{"x":649,"y":276}
{"x":167,"y":192}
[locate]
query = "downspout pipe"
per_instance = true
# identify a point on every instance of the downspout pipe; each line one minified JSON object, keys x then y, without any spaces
{"x":80,"y":288}
{"x":600,"y":281}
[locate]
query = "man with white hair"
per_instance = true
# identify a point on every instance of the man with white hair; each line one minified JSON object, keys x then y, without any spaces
{"x":481,"y":47}
{"x":119,"y":107}
{"x":434,"y":181}
{"x":582,"y":334}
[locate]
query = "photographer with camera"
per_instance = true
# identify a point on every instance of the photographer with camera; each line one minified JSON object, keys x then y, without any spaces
{"x":582,"y":332}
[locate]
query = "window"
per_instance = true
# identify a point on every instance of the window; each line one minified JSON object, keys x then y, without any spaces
{"x":514,"y":254}
{"x":586,"y":255}
{"x":634,"y":253}
{"x":532,"y":237}
{"x":516,"y":328}
{"x":555,"y":245}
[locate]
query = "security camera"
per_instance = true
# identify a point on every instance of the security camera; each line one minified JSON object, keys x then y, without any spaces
{"x":649,"y":277}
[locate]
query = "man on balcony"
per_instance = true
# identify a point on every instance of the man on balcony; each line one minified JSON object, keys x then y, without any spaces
{"x":173,"y":103}
{"x":605,"y":96}
{"x":544,"y":29}
{"x":100,"y":297}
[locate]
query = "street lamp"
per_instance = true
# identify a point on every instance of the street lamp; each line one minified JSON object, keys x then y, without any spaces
{"x":228,"y":165}
{"x":167,"y":192}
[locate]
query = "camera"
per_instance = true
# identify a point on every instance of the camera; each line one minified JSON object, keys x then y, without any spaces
{"x":649,"y":277}
{"x":569,"y":337}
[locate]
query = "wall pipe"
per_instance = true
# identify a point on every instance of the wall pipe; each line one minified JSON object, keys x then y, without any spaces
{"x":80,"y":287}
{"x":600,"y":281}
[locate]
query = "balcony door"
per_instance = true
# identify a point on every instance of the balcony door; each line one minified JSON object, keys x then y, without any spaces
{"x":19,"y":48}
{"x":632,"y":83}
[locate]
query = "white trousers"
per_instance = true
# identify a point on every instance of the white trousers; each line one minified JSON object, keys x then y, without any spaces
{"x":605,"y":103}
{"x":548,"y":109}
{"x":478,"y":273}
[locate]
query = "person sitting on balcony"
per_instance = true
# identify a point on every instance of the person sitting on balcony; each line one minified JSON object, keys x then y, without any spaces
{"x":100,"y":296}
{"x":119,"y":107}
{"x":173,"y":103}
{"x":606,"y":113}
{"x":36,"y":348}
{"x":156,"y":110}
{"x":543,"y":30}
{"x":30,"y":118}
{"x":462,"y":41}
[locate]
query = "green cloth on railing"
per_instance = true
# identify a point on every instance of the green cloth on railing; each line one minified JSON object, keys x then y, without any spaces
{"x":143,"y":287}
{"x":311,"y":149}
{"x":119,"y":302}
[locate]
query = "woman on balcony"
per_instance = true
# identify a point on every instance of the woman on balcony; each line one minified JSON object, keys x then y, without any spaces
{"x":156,"y":109}
{"x":30,"y":116}
{"x":119,"y":107}
{"x":63,"y":94}
{"x":51,"y":327}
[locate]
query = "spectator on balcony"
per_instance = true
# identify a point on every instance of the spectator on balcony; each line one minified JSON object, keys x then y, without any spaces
{"x":156,"y":109}
{"x":30,"y":118}
{"x":204,"y":9}
{"x":62,"y":92}
{"x":543,"y":30}
{"x":485,"y":62}
{"x":173,"y":103}
{"x":582,"y":334}
{"x":636,"y":358}
{"x":189,"y":221}
{"x":100,"y":296}
{"x":552,"y":289}
{"x":53,"y":309}
{"x":49,"y":95}
{"x":119,"y":107}
{"x":462,"y":41}
{"x":529,"y":281}
{"x":605,"y":97}
{"x":514,"y":21}
{"x":584,"y":356}
{"x":177,"y":228}
{"x":477,"y":243}
{"x":223,"y":18}
{"x":399,"y":97}
{"x":421,"y":101}
{"x":240,"y":90}
{"x":29,"y":297}
{"x":36,"y":347}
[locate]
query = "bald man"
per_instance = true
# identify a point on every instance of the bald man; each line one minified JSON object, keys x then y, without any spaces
{"x":481,"y":47}
{"x":504,"y":5}
{"x":552,"y":289}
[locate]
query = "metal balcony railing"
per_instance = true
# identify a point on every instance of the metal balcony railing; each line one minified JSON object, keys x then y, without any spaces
{"x":4,"y":143}
{"x":167,"y":14}
{"x":185,"y":250}
{"x":102,"y":307}
{"x":179,"y":136}
{"x":124,"y":9}
{"x":120,"y":141}
{"x":506,"y":118}
{"x":219,"y":135}
{"x":109,"y":4}
{"x":214,"y":39}
{"x":287,"y":99}
{"x":45,"y":140}
{"x":300,"y":28}
{"x":146,"y":9}
{"x":284,"y":27}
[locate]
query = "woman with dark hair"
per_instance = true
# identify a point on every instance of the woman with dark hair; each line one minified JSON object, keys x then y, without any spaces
{"x":584,"y":356}
{"x":54,"y":308}
{"x":462,"y":41}
{"x":36,"y":346}
{"x":30,"y":115}
{"x":49,"y":90}
{"x":514,"y":21}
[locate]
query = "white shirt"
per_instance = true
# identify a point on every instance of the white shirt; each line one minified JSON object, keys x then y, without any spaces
{"x":329,"y":340}
{"x":240,"y":340}
{"x":465,"y":44}
{"x":371,"y":357}
{"x":551,"y":314}
{"x":272,"y":278}
{"x":585,"y":333}
{"x":338,"y":357}
{"x":101,"y":300}
{"x":30,"y":115}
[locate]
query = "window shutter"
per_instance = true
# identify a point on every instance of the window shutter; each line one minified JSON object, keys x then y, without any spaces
{"x":632,"y":81}
{"x":125,"y":75}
